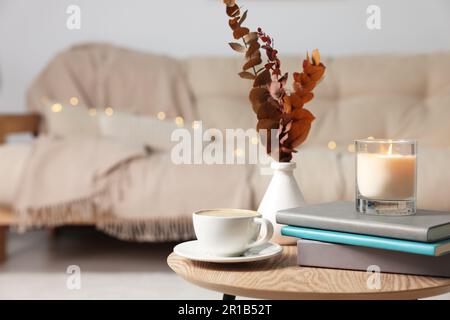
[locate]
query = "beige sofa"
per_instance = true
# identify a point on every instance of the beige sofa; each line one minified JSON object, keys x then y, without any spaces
{"x":384,"y":96}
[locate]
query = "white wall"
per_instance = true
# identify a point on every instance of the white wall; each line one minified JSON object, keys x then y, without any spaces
{"x":31,"y":32}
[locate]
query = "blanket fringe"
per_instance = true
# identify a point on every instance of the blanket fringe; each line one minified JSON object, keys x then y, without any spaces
{"x":155,"y":230}
{"x":80,"y":211}
{"x":139,"y":230}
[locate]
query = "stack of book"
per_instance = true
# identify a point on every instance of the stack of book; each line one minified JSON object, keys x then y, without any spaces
{"x":334,"y":235}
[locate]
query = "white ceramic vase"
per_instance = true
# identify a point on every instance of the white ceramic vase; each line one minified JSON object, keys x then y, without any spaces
{"x":283,"y":193}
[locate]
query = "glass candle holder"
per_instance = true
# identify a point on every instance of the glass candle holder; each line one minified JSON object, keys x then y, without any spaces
{"x":386,"y":173}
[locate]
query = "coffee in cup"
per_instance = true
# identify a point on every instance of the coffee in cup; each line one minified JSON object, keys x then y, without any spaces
{"x":230,"y":232}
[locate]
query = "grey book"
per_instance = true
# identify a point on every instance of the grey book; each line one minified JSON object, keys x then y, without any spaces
{"x":341,"y":256}
{"x":424,"y":226}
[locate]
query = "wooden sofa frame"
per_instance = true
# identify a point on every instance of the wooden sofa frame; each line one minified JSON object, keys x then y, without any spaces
{"x":13,"y":124}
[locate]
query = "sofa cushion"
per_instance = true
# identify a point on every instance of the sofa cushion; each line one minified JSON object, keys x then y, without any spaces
{"x":67,"y":120}
{"x":138,"y":130}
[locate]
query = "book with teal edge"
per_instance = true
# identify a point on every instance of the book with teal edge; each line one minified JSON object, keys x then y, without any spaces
{"x":426,"y":248}
{"x":424,"y":226}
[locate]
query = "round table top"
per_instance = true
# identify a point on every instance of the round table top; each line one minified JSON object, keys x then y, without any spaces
{"x":281,"y":278}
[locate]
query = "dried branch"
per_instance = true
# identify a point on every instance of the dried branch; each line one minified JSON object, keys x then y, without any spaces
{"x":275,"y":107}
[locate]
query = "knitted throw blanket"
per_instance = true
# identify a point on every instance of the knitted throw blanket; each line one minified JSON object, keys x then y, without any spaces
{"x":121,"y":189}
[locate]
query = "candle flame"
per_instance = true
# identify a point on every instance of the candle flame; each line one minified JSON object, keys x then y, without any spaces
{"x":390,"y":149}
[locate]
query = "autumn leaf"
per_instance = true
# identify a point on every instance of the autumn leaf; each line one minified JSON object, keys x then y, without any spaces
{"x":253,"y":47}
{"x":234,"y":23}
{"x":257,"y":97}
{"x":307,"y":97}
{"x":296,"y":100}
{"x":269,"y":110}
{"x":254,"y":55}
{"x":298,"y":133}
{"x":251,"y":63}
{"x":287,"y":104}
{"x":316,"y":57}
{"x":309,"y":86}
{"x":311,"y":69}
{"x":317,"y":75}
{"x":237,"y":47}
{"x":299,"y":77}
{"x":262,"y":79}
{"x":240,"y":32}
{"x":233,"y":11}
{"x":246,"y":75}
{"x":229,"y":3}
{"x":264,"y":128}
{"x":267,"y":124}
{"x":306,"y":84}
{"x":303,"y":114}
{"x":300,"y":127}
{"x":243,"y":17}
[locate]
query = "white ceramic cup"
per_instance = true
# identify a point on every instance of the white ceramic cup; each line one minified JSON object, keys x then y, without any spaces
{"x":230,"y":232}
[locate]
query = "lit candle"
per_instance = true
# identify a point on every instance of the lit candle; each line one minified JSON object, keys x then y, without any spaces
{"x":386,"y":174}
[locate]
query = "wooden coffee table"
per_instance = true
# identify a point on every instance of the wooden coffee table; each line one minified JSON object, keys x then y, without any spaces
{"x":281,"y":278}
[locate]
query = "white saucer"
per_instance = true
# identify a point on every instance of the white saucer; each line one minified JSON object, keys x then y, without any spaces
{"x":193,"y":251}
